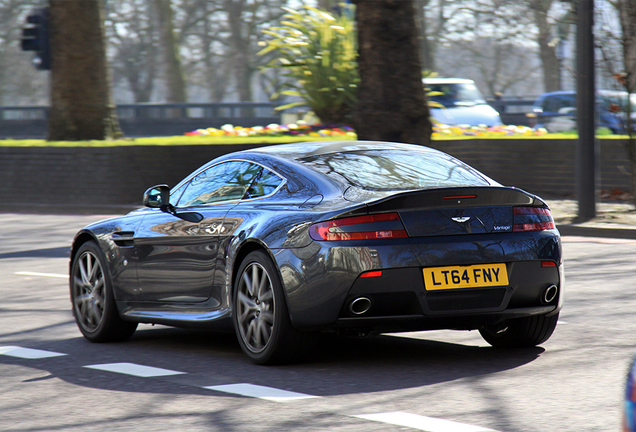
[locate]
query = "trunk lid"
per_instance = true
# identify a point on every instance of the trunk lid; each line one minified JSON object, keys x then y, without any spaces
{"x":457,"y":211}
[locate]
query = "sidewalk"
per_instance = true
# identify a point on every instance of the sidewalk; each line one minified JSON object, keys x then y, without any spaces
{"x":613,"y":219}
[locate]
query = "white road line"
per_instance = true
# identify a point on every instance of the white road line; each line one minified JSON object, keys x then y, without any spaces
{"x":261,"y":392}
{"x":27,"y":353}
{"x":51,"y":275}
{"x":134,"y":369}
{"x":419,"y":422}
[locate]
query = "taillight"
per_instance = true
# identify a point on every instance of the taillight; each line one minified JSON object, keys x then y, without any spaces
{"x":371,"y":274}
{"x":531,"y":219}
{"x":369,"y":227}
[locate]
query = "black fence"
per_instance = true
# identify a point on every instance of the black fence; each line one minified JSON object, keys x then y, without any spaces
{"x":139,"y":120}
{"x":149,"y":119}
{"x":515,"y":110}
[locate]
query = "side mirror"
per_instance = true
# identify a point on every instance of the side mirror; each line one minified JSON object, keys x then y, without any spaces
{"x":157,"y":197}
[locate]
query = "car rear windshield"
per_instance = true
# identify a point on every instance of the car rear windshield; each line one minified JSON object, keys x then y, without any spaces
{"x":385,"y":170}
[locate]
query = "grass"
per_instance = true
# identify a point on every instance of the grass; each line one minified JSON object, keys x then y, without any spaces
{"x":212,"y":140}
{"x":167,"y":141}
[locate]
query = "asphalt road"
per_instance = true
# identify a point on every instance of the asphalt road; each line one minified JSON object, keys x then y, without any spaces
{"x":433,"y":381}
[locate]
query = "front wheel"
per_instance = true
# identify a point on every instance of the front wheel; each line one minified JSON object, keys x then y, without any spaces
{"x":92,"y":298}
{"x":520,"y":332}
{"x":261,"y":319}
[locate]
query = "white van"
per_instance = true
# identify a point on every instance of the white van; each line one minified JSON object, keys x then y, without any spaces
{"x":462,"y":103}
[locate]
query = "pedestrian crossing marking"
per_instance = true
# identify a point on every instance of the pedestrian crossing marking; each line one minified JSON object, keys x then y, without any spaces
{"x":423,"y":423}
{"x":27,"y":353}
{"x":134,"y":369}
{"x":260,"y":392}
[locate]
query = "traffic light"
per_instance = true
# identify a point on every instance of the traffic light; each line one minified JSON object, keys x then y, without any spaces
{"x":35,"y":37}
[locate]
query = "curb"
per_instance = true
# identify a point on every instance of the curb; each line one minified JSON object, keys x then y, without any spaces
{"x":587,"y":231}
{"x":68,"y":209}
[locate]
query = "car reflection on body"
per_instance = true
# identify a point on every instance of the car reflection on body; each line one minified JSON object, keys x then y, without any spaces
{"x":351,"y":237}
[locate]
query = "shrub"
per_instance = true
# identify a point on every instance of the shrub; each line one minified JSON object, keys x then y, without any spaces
{"x":317,"y":52}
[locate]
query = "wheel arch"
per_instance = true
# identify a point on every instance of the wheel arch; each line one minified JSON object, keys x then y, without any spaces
{"x":80,"y":239}
{"x":244,"y":250}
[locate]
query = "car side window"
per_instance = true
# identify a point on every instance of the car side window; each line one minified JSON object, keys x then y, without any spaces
{"x":227,"y":181}
{"x":265,"y":184}
{"x":176,"y":194}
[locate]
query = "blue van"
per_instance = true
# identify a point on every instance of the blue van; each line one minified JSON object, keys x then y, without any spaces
{"x":556,"y":111}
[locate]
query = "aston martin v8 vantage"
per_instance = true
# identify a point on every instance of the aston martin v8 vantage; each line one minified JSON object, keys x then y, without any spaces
{"x":355,"y":237}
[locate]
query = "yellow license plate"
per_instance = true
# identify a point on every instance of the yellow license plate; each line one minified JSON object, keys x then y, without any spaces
{"x":453,"y":277}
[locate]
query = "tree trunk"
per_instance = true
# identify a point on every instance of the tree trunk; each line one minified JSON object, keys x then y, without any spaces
{"x":627,"y":11}
{"x":81,"y":99}
{"x":391,"y":101}
{"x":239,"y":44}
{"x":172,"y":63}
{"x":547,"y":51}
{"x":427,"y":57}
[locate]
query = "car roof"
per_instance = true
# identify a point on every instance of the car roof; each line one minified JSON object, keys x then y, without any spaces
{"x":299,"y":150}
{"x":572,"y":92}
{"x":447,"y":81}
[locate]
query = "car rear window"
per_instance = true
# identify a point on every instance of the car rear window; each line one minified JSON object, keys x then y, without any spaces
{"x":384,"y":170}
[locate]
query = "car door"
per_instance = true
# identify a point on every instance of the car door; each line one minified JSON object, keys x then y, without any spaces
{"x":177,"y":252}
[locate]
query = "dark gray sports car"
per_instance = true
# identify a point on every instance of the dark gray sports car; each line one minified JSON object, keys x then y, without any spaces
{"x":352,"y":237}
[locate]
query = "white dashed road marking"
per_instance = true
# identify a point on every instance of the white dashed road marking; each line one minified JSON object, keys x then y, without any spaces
{"x":261,"y":392}
{"x":134,"y":370}
{"x":414,"y":421}
{"x":419,"y":422}
{"x":51,"y":275}
{"x":27,"y":353}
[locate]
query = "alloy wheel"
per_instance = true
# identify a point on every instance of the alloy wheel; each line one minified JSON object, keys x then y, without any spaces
{"x":88,"y":291}
{"x":255,"y":307}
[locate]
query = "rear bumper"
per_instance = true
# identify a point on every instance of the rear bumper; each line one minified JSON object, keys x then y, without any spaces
{"x":321,"y":281}
{"x":472,"y":321}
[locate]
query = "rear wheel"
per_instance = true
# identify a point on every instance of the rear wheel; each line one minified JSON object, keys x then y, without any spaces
{"x":520,"y":332}
{"x":260,"y":314}
{"x":92,"y":298}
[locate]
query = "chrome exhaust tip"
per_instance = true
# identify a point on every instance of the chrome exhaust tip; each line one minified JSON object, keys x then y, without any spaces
{"x":549,"y":294}
{"x":359,"y":306}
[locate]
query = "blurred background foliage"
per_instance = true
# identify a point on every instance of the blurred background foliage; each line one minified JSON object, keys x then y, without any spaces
{"x":513,"y":47}
{"x":317,"y":52}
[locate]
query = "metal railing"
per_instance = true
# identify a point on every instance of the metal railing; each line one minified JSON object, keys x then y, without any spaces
{"x":165,"y":119}
{"x":148,"y":119}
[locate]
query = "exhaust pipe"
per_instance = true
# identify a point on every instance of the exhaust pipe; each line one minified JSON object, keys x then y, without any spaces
{"x":359,"y":306}
{"x":549,"y":294}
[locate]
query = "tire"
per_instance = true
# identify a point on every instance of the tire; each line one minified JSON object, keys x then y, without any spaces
{"x":520,"y":332}
{"x":260,"y":315}
{"x":92,"y":298}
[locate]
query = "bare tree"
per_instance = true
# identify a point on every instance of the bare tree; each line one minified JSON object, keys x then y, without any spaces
{"x":391,"y":101}
{"x":431,"y":17}
{"x":132,"y":37}
{"x":497,"y":38}
{"x":173,"y":72}
{"x":81,"y":101}
{"x":204,"y":36}
{"x":548,"y":43}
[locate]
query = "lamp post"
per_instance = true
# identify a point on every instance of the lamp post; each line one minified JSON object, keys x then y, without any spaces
{"x":586,"y":150}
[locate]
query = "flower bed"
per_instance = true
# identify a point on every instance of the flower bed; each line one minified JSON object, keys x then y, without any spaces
{"x":292,"y":129}
{"x":303,"y":129}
